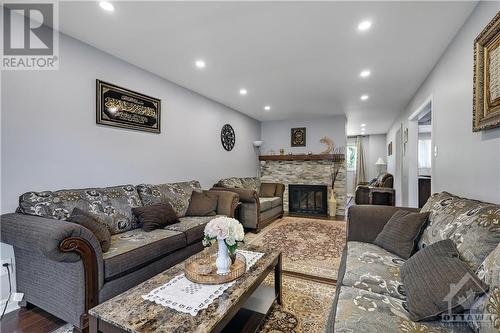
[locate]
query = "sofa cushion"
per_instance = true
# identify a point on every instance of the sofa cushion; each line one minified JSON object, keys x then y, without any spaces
{"x":177,"y":194}
{"x":372,"y":268}
{"x":193,"y":227}
{"x":114,"y":204}
{"x":400,"y":234}
{"x":251,"y":183}
{"x":202,"y":204}
{"x":473,"y":225}
{"x":364,"y":311}
{"x":437,"y":281}
{"x":233,"y":182}
{"x":268,"y":203}
{"x":135,"y":248}
{"x":488,"y":305}
{"x":155,"y":216}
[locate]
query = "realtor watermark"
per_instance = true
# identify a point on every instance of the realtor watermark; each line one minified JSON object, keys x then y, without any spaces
{"x":30,"y":35}
{"x":461,"y":294}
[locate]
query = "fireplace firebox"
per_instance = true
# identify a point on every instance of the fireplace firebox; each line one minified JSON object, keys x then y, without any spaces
{"x":307,"y":200}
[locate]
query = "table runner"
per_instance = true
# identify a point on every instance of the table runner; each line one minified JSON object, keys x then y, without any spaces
{"x":185,"y":296}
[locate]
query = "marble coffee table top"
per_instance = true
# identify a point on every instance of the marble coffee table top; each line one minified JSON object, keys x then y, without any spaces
{"x":130,"y":312}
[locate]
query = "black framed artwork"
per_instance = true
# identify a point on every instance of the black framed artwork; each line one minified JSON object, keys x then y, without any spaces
{"x":120,"y":107}
{"x":298,"y":137}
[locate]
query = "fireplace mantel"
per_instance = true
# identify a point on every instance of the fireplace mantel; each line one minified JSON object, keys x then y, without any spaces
{"x":303,"y":157}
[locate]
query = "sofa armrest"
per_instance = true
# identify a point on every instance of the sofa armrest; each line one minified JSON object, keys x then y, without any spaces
{"x":280,"y":190}
{"x":227,"y":202}
{"x":248,"y":196}
{"x":55,"y":239}
{"x":365,"y":222}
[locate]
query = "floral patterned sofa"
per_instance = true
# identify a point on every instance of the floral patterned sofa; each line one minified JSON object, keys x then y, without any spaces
{"x":60,"y":265}
{"x":370,"y":296}
{"x":261,"y":203}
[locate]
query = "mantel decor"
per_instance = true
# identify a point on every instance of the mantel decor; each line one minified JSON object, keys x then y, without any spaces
{"x":303,"y":157}
{"x":120,"y":107}
{"x":486,"y":100}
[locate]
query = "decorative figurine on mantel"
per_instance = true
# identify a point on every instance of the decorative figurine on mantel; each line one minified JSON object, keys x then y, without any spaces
{"x":329,"y":145}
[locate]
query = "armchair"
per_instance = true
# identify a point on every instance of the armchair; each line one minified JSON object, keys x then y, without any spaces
{"x":381,"y":192}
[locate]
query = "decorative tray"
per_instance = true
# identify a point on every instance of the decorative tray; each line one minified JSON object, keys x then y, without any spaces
{"x":201,"y":269}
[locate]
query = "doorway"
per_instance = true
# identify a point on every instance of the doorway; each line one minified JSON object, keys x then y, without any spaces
{"x":420,"y":155}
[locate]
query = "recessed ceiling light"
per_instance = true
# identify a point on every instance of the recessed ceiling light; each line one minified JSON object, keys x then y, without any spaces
{"x":267,"y":108}
{"x":200,"y":64}
{"x":363,"y":125}
{"x":364,"y":25}
{"x":107,"y":6}
{"x":364,"y":97}
{"x":365,"y":73}
{"x":243,"y":91}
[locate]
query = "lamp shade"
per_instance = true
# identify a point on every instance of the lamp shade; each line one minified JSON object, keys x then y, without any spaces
{"x":257,"y":144}
{"x":380,"y":161}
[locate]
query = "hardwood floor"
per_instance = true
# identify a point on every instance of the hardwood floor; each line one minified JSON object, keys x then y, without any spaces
{"x":32,"y":320}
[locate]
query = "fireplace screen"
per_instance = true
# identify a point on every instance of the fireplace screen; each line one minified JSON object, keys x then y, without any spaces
{"x":307,"y":200}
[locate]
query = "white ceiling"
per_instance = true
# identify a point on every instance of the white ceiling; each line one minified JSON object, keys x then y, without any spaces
{"x":302,"y":59}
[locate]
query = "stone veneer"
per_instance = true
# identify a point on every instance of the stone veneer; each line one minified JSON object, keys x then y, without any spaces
{"x":307,"y":173}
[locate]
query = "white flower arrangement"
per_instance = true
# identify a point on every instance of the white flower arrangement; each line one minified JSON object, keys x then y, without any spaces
{"x":224,"y":229}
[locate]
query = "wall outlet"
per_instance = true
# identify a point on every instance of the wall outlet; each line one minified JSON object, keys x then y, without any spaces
{"x":3,"y":270}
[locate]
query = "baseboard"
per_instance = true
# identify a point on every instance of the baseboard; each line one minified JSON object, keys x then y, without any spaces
{"x":12,"y":306}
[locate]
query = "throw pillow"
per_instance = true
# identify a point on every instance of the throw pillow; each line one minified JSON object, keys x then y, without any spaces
{"x":155,"y":216}
{"x":401,"y":233}
{"x":95,"y":224}
{"x":202,"y":204}
{"x":267,"y":190}
{"x":437,"y":281}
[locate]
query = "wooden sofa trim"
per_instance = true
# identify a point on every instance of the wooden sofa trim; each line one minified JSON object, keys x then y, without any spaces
{"x":85,"y":250}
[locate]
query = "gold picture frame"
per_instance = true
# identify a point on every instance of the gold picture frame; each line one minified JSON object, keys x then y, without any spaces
{"x":486,"y":98}
{"x":120,"y":107}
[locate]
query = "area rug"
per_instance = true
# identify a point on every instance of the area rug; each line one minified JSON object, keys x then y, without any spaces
{"x":310,"y":247}
{"x":305,"y":309}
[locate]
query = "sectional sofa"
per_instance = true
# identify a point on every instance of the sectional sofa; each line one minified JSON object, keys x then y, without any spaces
{"x":60,"y":265}
{"x":370,"y":296}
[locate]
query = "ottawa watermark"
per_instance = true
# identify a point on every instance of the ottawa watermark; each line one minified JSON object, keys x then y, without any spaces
{"x":30,"y":35}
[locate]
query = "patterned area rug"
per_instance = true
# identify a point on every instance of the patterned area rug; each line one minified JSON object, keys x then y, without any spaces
{"x":306,"y":305}
{"x":311,"y":247}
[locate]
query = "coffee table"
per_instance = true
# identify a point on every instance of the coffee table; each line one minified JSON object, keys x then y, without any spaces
{"x":241,"y":308}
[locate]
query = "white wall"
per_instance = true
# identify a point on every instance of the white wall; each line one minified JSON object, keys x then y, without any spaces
{"x":50,"y":139}
{"x":468,"y":164}
{"x":276,"y":134}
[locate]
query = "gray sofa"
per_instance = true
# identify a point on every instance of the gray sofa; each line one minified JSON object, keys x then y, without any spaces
{"x":60,"y":265}
{"x":261,"y":203}
{"x":370,"y":296}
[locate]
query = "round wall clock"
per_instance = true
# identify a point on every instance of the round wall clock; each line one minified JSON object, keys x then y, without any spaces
{"x":227,"y":137}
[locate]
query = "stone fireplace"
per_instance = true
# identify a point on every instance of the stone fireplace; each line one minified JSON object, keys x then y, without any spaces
{"x":305,"y":170}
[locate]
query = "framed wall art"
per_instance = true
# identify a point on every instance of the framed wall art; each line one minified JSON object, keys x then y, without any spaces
{"x":486,"y":100}
{"x":120,"y":107}
{"x":298,"y":137}
{"x":389,"y":149}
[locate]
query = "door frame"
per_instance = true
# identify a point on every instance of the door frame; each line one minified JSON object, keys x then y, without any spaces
{"x":411,"y":157}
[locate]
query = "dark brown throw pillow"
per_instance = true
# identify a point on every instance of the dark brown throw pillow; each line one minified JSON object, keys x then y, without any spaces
{"x":436,"y":281}
{"x":202,"y":204}
{"x":155,"y":216}
{"x":94,"y":224}
{"x":401,"y":233}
